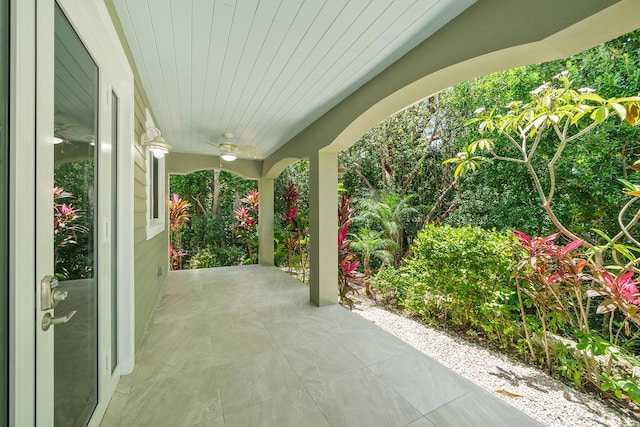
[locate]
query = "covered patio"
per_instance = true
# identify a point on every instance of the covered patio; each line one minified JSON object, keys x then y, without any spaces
{"x":243,"y":346}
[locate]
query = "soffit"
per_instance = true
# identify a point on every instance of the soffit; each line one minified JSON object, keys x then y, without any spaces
{"x":264,"y":70}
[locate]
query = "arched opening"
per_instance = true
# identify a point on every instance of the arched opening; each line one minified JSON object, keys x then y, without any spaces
{"x":213,"y":219}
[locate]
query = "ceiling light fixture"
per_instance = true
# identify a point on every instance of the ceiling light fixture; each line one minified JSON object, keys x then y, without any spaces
{"x":228,"y":157}
{"x":152,"y":139}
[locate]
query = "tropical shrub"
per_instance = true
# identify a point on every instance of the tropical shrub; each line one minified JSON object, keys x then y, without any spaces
{"x":559,"y":287}
{"x":565,"y":290}
{"x":295,"y":233}
{"x":66,"y":227}
{"x":371,"y":245}
{"x":347,"y":262}
{"x":390,"y":213}
{"x":217,"y":257}
{"x":245,"y":226}
{"x":458,"y":277}
{"x":178,"y":215}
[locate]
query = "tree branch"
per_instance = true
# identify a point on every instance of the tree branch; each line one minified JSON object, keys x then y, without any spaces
{"x":438,"y":202}
{"x":358,"y":170}
{"x":536,"y":143}
{"x":409,"y":178}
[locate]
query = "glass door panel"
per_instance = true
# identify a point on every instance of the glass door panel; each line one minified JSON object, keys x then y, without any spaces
{"x":114,"y":231}
{"x":4,"y":220}
{"x":75,"y":226}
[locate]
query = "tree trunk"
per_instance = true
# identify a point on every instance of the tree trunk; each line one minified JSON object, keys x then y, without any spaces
{"x":236,"y":200}
{"x":215,"y":191}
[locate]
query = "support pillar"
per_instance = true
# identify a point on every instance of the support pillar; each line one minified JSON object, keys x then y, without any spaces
{"x":323,"y":228}
{"x":265,"y":221}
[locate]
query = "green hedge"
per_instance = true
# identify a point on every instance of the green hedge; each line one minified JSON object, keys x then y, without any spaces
{"x":459,"y":277}
{"x":216,"y":257}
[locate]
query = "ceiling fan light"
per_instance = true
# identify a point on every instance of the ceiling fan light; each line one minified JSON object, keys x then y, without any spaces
{"x":228,"y":157}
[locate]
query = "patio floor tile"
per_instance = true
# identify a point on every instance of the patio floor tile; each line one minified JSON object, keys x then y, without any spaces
{"x":242,"y":346}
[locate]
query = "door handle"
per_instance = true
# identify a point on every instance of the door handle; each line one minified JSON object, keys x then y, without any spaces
{"x":48,"y":319}
{"x":50,"y":295}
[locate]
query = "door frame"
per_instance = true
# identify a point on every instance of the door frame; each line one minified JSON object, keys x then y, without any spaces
{"x":31,"y":26}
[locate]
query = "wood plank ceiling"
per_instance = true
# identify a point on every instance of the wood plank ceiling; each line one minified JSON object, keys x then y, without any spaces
{"x":265,"y":69}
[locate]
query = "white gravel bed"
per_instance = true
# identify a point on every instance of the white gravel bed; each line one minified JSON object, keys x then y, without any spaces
{"x":543,"y":398}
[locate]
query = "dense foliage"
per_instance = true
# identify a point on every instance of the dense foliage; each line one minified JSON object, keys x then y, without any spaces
{"x":459,"y":277}
{"x":404,"y":153}
{"x":208,"y":238}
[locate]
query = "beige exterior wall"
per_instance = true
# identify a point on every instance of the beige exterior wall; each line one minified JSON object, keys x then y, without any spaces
{"x":150,"y":254}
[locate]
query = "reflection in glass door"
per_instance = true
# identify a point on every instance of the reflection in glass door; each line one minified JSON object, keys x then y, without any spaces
{"x":75,"y":226}
{"x":4,"y":220}
{"x":114,"y":231}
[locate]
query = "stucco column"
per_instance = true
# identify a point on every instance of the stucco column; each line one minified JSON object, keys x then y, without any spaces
{"x":323,"y":227}
{"x":265,"y":221}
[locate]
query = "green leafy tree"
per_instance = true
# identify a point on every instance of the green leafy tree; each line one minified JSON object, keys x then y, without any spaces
{"x":556,"y":116}
{"x":586,"y":193}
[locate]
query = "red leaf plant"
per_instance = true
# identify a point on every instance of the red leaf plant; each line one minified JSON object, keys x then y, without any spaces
{"x":246,"y":225}
{"x":295,"y":231}
{"x":347,"y":264}
{"x":178,"y":215}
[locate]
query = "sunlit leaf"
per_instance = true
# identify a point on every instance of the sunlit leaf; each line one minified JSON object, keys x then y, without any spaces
{"x":620,"y":110}
{"x":600,"y":115}
{"x":592,"y":97}
{"x":484,"y":144}
{"x":535,"y":125}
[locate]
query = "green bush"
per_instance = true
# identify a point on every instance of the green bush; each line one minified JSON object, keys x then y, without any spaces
{"x":458,"y":277}
{"x":217,"y":257}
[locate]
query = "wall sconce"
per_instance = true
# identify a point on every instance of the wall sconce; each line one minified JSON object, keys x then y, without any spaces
{"x":153,"y":140}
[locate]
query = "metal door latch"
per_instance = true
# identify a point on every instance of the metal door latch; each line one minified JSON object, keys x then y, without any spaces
{"x":50,"y":295}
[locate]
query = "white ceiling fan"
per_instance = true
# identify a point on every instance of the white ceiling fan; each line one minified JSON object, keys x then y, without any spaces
{"x":230,"y":151}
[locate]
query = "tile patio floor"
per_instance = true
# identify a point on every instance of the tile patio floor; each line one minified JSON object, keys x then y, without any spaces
{"x":242,"y":346}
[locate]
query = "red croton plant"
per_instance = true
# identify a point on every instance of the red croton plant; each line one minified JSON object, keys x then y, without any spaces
{"x":245,"y":226}
{"x":347,"y":262}
{"x":562,"y":286}
{"x":65,"y":221}
{"x":178,"y":215}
